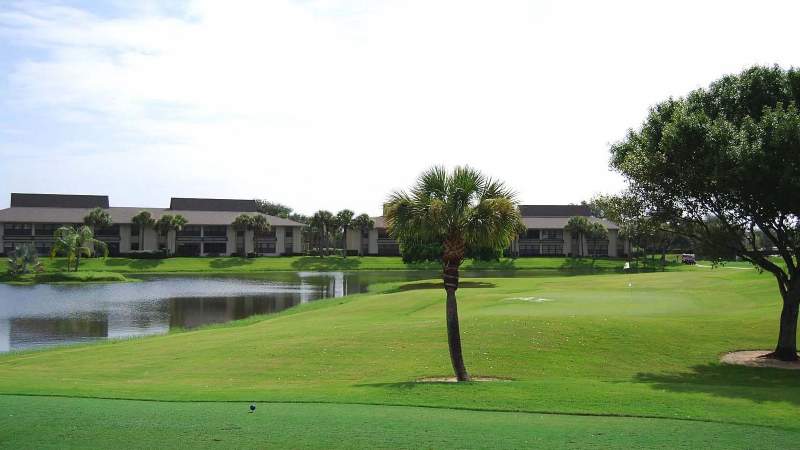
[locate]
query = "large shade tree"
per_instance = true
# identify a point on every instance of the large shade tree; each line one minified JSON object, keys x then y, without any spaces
{"x":459,"y":209}
{"x":74,"y":242}
{"x":722,"y":165}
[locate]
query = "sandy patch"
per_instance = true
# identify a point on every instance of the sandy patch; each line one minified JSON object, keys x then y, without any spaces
{"x":453,"y":379}
{"x":530,"y":299}
{"x":752,"y":358}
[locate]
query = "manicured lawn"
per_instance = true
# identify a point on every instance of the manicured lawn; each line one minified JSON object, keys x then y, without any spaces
{"x":621,"y":345}
{"x":40,"y":423}
{"x":310,"y":263}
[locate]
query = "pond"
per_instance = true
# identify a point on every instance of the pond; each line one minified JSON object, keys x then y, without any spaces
{"x":46,"y":315}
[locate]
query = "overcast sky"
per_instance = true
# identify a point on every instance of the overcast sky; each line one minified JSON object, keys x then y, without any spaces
{"x":334,"y":104}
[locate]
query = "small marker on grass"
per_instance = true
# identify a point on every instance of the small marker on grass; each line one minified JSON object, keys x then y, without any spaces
{"x":252,"y":408}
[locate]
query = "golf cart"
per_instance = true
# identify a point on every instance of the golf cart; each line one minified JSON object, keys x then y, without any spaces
{"x":688,"y":258}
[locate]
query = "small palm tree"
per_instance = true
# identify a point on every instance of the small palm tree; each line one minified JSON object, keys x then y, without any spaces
{"x":143,"y":219}
{"x":596,"y":231}
{"x":363,"y":223}
{"x":74,"y":243}
{"x":259,"y":225}
{"x":323,"y":221}
{"x":578,"y":226}
{"x":22,"y":259}
{"x":98,"y":218}
{"x":459,"y":209}
{"x":163,"y":227}
{"x":242,"y":223}
{"x":344,"y":220}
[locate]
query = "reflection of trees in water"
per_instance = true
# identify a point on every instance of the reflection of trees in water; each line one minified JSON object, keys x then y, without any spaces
{"x":27,"y":332}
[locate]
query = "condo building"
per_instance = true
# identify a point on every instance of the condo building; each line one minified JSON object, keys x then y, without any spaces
{"x":545,"y":235}
{"x":33,"y":218}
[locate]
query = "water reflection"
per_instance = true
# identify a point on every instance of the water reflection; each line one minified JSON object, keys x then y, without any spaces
{"x":44,"y":315}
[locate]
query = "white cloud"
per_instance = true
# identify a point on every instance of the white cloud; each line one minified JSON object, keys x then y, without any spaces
{"x":332,"y":104}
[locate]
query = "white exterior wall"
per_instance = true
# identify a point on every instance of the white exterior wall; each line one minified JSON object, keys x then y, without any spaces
{"x":613,"y":236}
{"x":230,"y":248}
{"x":280,"y":240}
{"x":373,"y":241}
{"x":297,"y":240}
{"x":171,"y":242}
{"x":353,"y":241}
{"x":567,"y":237}
{"x":150,"y":239}
{"x":249,"y":243}
{"x":124,"y":238}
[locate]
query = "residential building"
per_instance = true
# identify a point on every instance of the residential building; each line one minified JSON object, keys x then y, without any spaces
{"x":544,"y":236}
{"x":33,"y":218}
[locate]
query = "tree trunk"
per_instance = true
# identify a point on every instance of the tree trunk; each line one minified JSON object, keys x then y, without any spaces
{"x":786,"y":350}
{"x":453,"y":332}
{"x":77,"y":261}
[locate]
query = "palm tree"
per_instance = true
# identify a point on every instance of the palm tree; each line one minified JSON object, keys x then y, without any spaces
{"x":242,"y":223}
{"x":322,"y":221}
{"x":596,"y":231}
{"x":143,"y":219}
{"x":163,"y":227}
{"x":344,"y":220}
{"x":74,"y":242}
{"x":363,"y":223}
{"x":578,"y":226}
{"x":98,"y":218}
{"x":459,"y":209}
{"x":259,"y":225}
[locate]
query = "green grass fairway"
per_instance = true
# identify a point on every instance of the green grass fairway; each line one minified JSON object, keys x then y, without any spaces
{"x":577,"y":345}
{"x":41,"y":423}
{"x":312,"y":263}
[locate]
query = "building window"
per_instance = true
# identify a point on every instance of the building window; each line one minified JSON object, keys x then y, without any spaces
{"x":17,"y":229}
{"x":215,"y":248}
{"x":383,"y":233}
{"x":267,"y":234}
{"x":552,"y":249}
{"x":552,"y":235}
{"x":134,"y":230}
{"x":46,"y":229}
{"x":112,"y":231}
{"x":189,"y":231}
{"x":598,"y":248}
{"x":530,"y":234}
{"x":365,"y":234}
{"x":134,"y":246}
{"x":265,"y":247}
{"x":289,"y":232}
{"x":215,"y":231}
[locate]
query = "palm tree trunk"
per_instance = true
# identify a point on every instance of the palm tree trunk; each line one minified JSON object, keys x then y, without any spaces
{"x":77,"y":260}
{"x":450,"y":278}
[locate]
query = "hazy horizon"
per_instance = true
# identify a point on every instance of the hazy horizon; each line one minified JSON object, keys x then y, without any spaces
{"x":334,"y":104}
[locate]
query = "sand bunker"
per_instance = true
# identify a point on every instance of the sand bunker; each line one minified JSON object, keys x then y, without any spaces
{"x":753,"y":358}
{"x":453,"y":379}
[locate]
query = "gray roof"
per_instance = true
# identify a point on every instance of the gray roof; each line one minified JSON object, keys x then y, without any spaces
{"x":542,"y":222}
{"x":58,"y":200}
{"x":212,"y":204}
{"x":554,"y":210}
{"x":560,"y":222}
{"x":122,"y":215}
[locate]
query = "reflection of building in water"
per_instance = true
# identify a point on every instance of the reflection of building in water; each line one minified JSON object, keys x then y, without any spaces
{"x":194,"y":312}
{"x":5,"y":335}
{"x":125,"y":323}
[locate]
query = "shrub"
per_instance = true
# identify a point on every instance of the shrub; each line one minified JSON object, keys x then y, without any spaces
{"x":148,"y":254}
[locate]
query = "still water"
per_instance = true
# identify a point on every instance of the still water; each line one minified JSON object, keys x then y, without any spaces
{"x":46,"y":315}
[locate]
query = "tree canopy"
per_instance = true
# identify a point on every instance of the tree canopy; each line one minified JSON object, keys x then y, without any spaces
{"x":723,"y":163}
